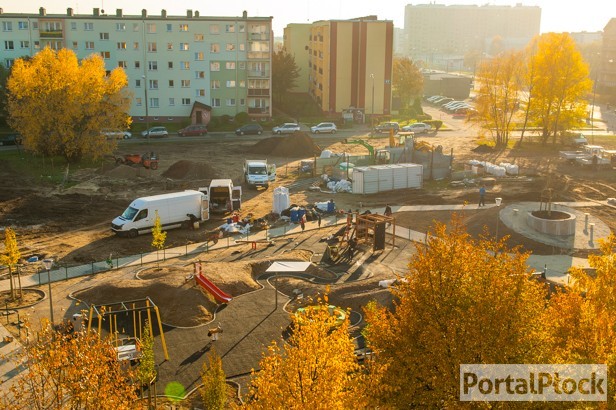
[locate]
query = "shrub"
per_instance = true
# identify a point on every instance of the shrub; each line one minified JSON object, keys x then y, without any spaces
{"x":242,"y":118}
{"x":436,"y":124}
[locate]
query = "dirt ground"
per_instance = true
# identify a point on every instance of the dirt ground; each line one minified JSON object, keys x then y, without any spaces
{"x":72,"y":225}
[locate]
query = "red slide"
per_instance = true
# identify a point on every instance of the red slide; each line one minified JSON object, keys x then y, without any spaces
{"x":219,"y":295}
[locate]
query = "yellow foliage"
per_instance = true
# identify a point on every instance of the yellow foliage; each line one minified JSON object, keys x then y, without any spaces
{"x":463,"y":301}
{"x":158,"y":235}
{"x":60,"y":106}
{"x":11,"y":253}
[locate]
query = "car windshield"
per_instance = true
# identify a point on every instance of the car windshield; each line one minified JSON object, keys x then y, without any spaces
{"x":130,"y":213}
{"x":257,"y":170}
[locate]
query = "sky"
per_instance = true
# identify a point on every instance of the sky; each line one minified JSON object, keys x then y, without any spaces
{"x":556,"y":15}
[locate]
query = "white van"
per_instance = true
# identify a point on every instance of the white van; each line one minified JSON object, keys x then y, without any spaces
{"x":177,"y":209}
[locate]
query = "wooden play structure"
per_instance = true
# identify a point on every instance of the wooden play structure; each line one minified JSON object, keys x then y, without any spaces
{"x":137,"y":307}
{"x":371,"y":228}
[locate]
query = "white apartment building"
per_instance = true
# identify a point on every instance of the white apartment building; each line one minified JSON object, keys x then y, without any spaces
{"x":174,"y":64}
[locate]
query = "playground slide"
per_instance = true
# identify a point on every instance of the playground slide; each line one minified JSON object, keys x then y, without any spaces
{"x":219,"y":295}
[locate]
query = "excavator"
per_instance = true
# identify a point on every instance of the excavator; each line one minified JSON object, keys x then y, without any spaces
{"x":379,"y":157}
{"x":391,"y":154}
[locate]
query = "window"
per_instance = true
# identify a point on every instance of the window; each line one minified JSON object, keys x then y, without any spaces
{"x":122,"y":64}
{"x":242,"y":102}
{"x":23,"y":25}
{"x":75,"y":46}
{"x":151,"y":28}
{"x":242,"y":65}
{"x":8,"y":62}
{"x":26,"y":44}
{"x":169,"y":28}
{"x":185,"y":101}
{"x":199,"y":37}
{"x":106,"y":55}
{"x":89,"y":45}
{"x":9,"y":45}
{"x":230,"y":83}
{"x":138,"y":83}
{"x":199,"y":74}
{"x":137,"y":64}
{"x":37,"y":44}
{"x":231,"y":102}
{"x":55,"y":45}
{"x":169,"y":46}
{"x":185,"y":83}
{"x":242,"y":47}
{"x":7,"y":26}
{"x":153,"y":84}
{"x":152,"y":47}
{"x":215,"y":102}
{"x":121,"y":45}
{"x":214,"y":29}
{"x":135,"y":26}
{"x":230,"y":47}
{"x":136,"y":45}
{"x":154,"y":102}
{"x":170,"y":65}
{"x":183,"y":27}
{"x":184,"y":65}
{"x":230,"y":65}
{"x":138,"y":102}
{"x":172,"y":101}
{"x":152,"y":65}
{"x":35,"y":25}
{"x":88,"y":26}
{"x":215,"y":84}
{"x":214,"y":48}
{"x":52,"y":26}
{"x":73,"y":25}
{"x":171,"y":84}
{"x":230,"y":28}
{"x":214,"y":66}
{"x":120,"y":26}
{"x":200,"y":92}
{"x":199,"y":56}
{"x":104,"y":36}
{"x":183,"y":46}
{"x":242,"y":28}
{"x":242,"y":83}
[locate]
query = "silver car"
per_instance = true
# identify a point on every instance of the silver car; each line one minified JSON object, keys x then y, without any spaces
{"x":418,"y":127}
{"x":286,"y":128}
{"x":324,"y":127}
{"x":155,"y":132}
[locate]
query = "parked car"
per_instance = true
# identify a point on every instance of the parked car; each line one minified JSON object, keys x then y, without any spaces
{"x":116,"y":134}
{"x":10,"y":139}
{"x":417,"y":128}
{"x":434,"y":97}
{"x":286,"y":128}
{"x":155,"y":132}
{"x":454,"y":107}
{"x":324,"y":127}
{"x":385,"y":127}
{"x":192,"y":130}
{"x":445,"y":101}
{"x":249,"y":129}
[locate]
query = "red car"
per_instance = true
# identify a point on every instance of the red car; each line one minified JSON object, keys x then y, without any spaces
{"x":193,"y":130}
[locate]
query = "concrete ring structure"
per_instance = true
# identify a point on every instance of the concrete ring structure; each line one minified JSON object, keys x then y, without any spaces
{"x":580,"y":231}
{"x":560,"y":223}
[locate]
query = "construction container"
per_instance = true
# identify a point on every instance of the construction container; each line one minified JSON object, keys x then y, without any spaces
{"x":381,"y":178}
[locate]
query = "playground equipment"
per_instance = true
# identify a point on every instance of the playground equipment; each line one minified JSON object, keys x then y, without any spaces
{"x":371,"y":228}
{"x":215,"y":291}
{"x":111,"y":311}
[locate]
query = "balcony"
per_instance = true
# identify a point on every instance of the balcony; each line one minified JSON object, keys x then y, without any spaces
{"x":258,"y":55}
{"x":258,"y":92}
{"x":258,"y":36}
{"x":51,"y":34}
{"x":258,"y":73}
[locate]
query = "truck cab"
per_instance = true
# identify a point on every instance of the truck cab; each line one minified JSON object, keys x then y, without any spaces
{"x":259,"y":173}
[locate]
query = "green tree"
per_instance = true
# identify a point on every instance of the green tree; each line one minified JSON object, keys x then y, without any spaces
{"x":284,"y":74}
{"x":407,"y":80}
{"x":560,"y":85}
{"x":214,"y":389}
{"x":10,"y":256}
{"x":463,"y":300}
{"x":146,"y":371}
{"x":158,"y":235}
{"x":60,"y":104}
{"x":4,"y":75}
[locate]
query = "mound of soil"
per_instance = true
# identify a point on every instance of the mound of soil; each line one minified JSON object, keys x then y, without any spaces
{"x":297,"y":145}
{"x":123,"y":172}
{"x":185,"y":169}
{"x":483,"y":148}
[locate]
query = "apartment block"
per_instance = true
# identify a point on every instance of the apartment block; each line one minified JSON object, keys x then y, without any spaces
{"x":296,"y":42}
{"x":606,"y":81}
{"x":437,"y":32}
{"x":176,"y":65}
{"x":350,"y":64}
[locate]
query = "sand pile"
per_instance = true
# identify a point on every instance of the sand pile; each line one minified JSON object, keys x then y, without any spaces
{"x":122,"y":172}
{"x":185,"y":169}
{"x":298,"y":145}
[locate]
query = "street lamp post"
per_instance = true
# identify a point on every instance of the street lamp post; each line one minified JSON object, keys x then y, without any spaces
{"x":48,"y":263}
{"x":147,"y":117}
{"x":498,"y":204}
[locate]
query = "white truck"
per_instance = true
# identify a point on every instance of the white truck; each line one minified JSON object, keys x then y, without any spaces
{"x":257,"y":172}
{"x":223,"y":196}
{"x":176,"y":209}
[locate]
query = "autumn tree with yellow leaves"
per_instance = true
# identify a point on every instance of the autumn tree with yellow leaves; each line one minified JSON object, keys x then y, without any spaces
{"x":158,"y":235}
{"x":214,"y":389}
{"x":10,"y":257}
{"x":464,"y":300}
{"x":316,"y":369}
{"x":60,"y":105}
{"x":407,"y":80}
{"x":69,"y":371}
